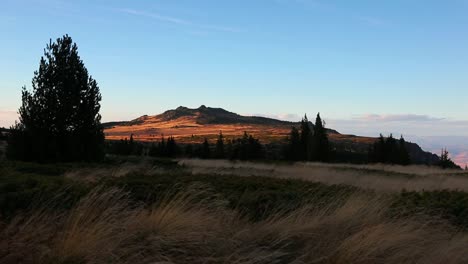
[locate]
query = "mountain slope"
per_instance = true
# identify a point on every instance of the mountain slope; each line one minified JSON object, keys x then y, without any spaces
{"x":193,"y":125}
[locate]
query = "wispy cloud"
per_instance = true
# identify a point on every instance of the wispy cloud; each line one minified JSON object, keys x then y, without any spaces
{"x":156,"y":16}
{"x":324,"y":6}
{"x":372,"y":20}
{"x":398,"y":118}
{"x":178,"y":21}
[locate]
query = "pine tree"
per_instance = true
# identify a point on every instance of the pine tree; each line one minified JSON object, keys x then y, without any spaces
{"x":446,"y":162}
{"x":171,"y":148}
{"x":306,"y":139}
{"x":188,"y":150}
{"x":219,"y":151}
{"x":321,"y":145}
{"x":294,"y":147}
{"x":205,"y":151}
{"x":377,"y":151}
{"x":404,"y":157}
{"x":162,"y":147}
{"x":59,"y":118}
{"x":389,"y":150}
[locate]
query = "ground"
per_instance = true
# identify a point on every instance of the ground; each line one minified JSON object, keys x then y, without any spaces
{"x":144,"y":210}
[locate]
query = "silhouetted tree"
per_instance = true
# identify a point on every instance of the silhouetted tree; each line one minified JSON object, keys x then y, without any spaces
{"x":171,"y":148}
{"x":124,"y":147}
{"x":294,"y":150}
{"x":165,"y":148}
{"x":188,"y":151}
{"x":446,"y":162}
{"x":404,"y":157}
{"x":153,"y":150}
{"x":321,"y":146}
{"x":389,"y":150}
{"x":219,"y":151}
{"x":205,"y":150}
{"x":247,"y":148}
{"x":306,"y":139}
{"x":59,"y":118}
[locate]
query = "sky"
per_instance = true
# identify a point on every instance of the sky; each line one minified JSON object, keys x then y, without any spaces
{"x":368,"y":67}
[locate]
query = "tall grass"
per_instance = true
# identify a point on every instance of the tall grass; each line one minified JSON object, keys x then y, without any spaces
{"x":380,"y":177}
{"x":105,"y":226}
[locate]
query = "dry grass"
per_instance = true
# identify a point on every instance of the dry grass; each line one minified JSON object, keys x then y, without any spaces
{"x":380,"y":177}
{"x":104,"y":227}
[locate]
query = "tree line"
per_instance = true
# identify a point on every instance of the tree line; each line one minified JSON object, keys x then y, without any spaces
{"x":309,"y":142}
{"x":389,"y":150}
{"x":246,"y":147}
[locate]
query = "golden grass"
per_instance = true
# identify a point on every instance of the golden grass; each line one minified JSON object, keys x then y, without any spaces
{"x":380,"y":177}
{"x":104,"y":227}
{"x":183,"y":128}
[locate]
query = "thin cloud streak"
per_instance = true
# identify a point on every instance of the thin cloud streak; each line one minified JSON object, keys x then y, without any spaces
{"x":324,"y":6}
{"x":155,"y":16}
{"x":372,"y":20}
{"x":398,"y":118}
{"x":177,"y":21}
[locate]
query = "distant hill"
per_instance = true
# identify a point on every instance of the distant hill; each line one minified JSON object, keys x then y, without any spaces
{"x":203,"y":116}
{"x":189,"y":125}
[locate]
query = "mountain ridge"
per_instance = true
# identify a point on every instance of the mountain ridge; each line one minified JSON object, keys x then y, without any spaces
{"x":207,"y":115}
{"x":192,"y":125}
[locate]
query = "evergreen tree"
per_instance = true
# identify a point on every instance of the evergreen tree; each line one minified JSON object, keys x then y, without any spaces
{"x":389,"y":150}
{"x":294,"y":148}
{"x":219,"y":151}
{"x":254,"y":149}
{"x":404,"y":157}
{"x":162,"y":147}
{"x":188,"y":150}
{"x":205,"y":150}
{"x":446,"y":162}
{"x":171,"y":148}
{"x":321,"y":145}
{"x":153,"y":150}
{"x":59,"y":118}
{"x":306,"y":139}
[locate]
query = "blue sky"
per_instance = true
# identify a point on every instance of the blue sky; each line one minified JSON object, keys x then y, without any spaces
{"x":367,"y":66}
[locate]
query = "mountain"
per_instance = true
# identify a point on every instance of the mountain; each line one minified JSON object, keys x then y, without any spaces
{"x":189,"y":125}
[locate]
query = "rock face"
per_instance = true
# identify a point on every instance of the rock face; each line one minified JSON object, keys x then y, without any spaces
{"x":191,"y":125}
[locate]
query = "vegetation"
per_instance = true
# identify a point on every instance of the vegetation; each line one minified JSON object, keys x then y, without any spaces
{"x":310,"y":143}
{"x":59,"y":118}
{"x":389,"y":150}
{"x":55,"y":214}
{"x":125,"y":147}
{"x":445,"y":161}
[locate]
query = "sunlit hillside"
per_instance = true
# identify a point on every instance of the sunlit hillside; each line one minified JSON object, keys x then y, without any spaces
{"x":192,"y":125}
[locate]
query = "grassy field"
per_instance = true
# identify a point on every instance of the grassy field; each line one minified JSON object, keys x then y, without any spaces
{"x":142,"y":210}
